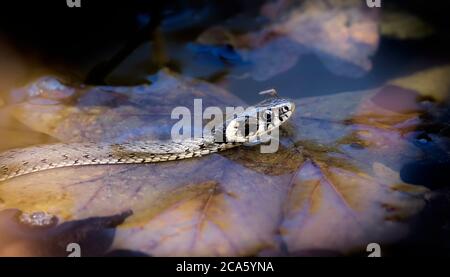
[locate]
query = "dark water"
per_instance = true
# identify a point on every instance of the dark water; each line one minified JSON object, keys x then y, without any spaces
{"x":79,"y":42}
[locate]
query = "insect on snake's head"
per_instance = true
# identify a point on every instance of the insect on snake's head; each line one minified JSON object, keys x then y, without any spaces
{"x":258,"y":121}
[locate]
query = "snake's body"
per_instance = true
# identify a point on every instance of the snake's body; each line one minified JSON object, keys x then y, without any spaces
{"x":17,"y":162}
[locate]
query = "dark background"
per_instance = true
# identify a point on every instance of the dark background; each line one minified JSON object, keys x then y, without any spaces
{"x":68,"y":38}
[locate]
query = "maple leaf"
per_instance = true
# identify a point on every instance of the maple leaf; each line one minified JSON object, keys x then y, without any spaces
{"x":334,"y":185}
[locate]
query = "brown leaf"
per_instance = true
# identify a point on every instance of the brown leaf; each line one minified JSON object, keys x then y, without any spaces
{"x":333,"y":185}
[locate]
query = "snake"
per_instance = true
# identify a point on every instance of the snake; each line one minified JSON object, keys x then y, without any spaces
{"x":250,"y":126}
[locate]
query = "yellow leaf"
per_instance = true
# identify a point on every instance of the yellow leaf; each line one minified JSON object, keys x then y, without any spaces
{"x":433,"y":83}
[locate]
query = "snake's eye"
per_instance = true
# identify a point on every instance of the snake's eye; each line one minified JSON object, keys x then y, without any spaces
{"x":268,"y":115}
{"x":285,"y":108}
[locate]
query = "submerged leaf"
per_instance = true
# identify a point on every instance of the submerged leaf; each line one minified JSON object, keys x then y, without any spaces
{"x":403,"y":26}
{"x":343,"y":35}
{"x":432,"y":83}
{"x":97,"y":113}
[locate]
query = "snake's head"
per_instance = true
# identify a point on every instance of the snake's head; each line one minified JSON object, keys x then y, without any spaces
{"x":255,"y":124}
